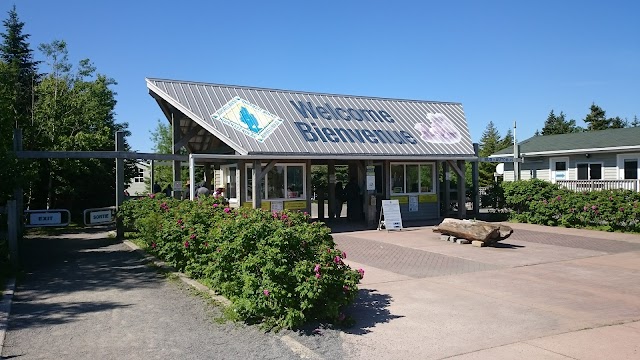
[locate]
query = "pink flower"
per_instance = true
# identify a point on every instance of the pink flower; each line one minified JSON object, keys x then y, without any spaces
{"x":153,"y":245}
{"x":227,"y":210}
{"x":345,"y":288}
{"x":584,"y":208}
{"x":337,"y":260}
{"x":361,"y":271}
{"x":215,"y":205}
{"x":206,"y":244}
{"x":186,"y":244}
{"x":179,"y":221}
{"x":610,"y":198}
{"x":152,"y":196}
{"x":275,"y":215}
{"x":544,"y":201}
{"x":305,"y":213}
{"x":318,"y":275}
{"x":266,"y":292}
{"x":593,"y":207}
{"x":192,"y":237}
{"x":344,"y":255}
{"x":284,"y":217}
{"x":316,"y":269}
{"x":621,"y":209}
{"x":559,"y":198}
{"x":328,"y":251}
{"x":182,"y":227}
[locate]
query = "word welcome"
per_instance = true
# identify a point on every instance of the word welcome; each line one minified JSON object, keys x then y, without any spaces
{"x":313,"y":133}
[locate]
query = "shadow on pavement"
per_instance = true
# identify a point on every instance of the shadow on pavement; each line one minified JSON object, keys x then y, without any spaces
{"x":63,"y":276}
{"x":369,"y":310}
{"x":502,"y":245}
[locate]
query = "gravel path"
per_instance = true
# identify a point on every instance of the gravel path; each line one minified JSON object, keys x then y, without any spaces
{"x":84,"y":296}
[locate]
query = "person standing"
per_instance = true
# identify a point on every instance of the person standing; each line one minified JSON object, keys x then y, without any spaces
{"x":352,"y":194}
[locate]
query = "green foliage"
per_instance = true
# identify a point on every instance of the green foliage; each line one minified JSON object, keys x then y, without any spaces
{"x":559,"y":125}
{"x":597,"y":120}
{"x":276,"y":268}
{"x":540,"y":202}
{"x":490,"y":143}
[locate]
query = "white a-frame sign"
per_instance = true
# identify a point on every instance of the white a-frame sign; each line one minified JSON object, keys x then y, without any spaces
{"x":390,"y":217}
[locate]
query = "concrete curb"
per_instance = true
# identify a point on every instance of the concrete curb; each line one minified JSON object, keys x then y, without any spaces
{"x":295,"y":346}
{"x":5,"y":310}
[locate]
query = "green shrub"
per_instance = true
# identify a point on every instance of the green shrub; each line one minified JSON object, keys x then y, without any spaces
{"x":540,"y":202}
{"x":275,"y":268}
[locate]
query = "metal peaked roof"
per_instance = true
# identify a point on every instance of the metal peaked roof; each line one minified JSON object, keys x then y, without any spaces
{"x":610,"y":139}
{"x":256,"y":121}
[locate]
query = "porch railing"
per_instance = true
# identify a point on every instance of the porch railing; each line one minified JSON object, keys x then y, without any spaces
{"x":595,"y":185}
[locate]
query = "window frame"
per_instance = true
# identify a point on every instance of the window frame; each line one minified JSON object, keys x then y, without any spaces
{"x":265,"y":195}
{"x":601,"y":164}
{"x":621,"y":158}
{"x":404,"y":165}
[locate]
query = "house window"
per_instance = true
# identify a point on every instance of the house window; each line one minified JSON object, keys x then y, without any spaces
{"x":589,"y":171}
{"x":561,"y":166}
{"x":631,"y":169}
{"x":231,"y":182}
{"x":285,"y":181}
{"x":139,"y":178}
{"x":412,"y":178}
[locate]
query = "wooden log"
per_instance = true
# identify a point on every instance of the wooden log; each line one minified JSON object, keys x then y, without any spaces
{"x":473,"y":230}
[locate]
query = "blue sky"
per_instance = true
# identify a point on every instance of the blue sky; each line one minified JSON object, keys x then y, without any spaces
{"x":503,"y":60}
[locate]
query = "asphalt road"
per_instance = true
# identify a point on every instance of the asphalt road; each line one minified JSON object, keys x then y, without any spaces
{"x":85,"y":296}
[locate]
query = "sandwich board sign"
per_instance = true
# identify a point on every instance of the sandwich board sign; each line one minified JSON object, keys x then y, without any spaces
{"x":391,"y":214}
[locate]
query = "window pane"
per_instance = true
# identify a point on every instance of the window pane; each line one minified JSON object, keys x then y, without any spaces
{"x":426,"y":178}
{"x":397,"y":179}
{"x":583,"y":172}
{"x":561,"y":165}
{"x":412,"y":178}
{"x":295,"y":182}
{"x":596,"y":171}
{"x":631,"y":169}
{"x":231,"y":183}
{"x":275,"y":183}
{"x":250,"y":183}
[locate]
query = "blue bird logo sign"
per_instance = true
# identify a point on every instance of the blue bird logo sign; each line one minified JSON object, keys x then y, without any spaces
{"x":247,"y":118}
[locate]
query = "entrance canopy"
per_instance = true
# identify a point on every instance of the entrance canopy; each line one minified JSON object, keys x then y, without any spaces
{"x":272,"y":123}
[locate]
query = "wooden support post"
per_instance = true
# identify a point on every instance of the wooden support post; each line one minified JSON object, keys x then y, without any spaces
{"x":462,"y":190}
{"x":331,"y":187}
{"x":475,"y":181}
{"x":177,"y":165}
{"x":256,"y":196}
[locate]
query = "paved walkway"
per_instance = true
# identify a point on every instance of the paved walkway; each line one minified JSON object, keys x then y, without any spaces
{"x":545,"y":293}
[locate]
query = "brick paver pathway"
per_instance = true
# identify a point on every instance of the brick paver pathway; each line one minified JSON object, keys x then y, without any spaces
{"x":573,"y":241}
{"x":406,"y":261}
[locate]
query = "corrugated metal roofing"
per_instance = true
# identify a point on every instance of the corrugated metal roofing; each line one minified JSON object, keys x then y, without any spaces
{"x":576,"y":141}
{"x":256,"y":121}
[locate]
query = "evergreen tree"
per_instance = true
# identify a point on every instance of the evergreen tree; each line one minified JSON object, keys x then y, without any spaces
{"x":559,"y":125}
{"x":490,"y":143}
{"x":507,"y":141}
{"x":16,"y":52}
{"x":635,"y":122}
{"x":596,"y":119}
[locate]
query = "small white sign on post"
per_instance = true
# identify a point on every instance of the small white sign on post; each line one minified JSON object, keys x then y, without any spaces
{"x":177,"y":186}
{"x":391,"y":214}
{"x":413,"y":203}
{"x":45,"y":218}
{"x":371,"y":177}
{"x":100,"y":217}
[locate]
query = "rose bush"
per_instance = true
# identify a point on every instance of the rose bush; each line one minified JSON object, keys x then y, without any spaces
{"x":275,"y":268}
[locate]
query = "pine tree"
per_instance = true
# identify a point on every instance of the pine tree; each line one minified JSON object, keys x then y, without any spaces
{"x":490,"y":143}
{"x":16,"y":52}
{"x":635,"y":122}
{"x":596,"y":119}
{"x":559,"y":125}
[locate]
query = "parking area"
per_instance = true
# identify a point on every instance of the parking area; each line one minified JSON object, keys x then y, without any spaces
{"x":543,"y":293}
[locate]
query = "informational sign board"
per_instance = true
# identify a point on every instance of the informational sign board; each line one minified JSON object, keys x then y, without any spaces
{"x":413,"y":203}
{"x":177,"y":185}
{"x":500,"y":159}
{"x":391,"y":215}
{"x":277,"y":206}
{"x":371,"y":177}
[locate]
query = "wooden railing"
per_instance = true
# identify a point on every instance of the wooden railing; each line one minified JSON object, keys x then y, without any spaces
{"x":595,"y":185}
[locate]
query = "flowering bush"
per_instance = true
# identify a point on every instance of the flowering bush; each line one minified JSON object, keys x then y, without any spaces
{"x":540,"y":202}
{"x":275,"y":268}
